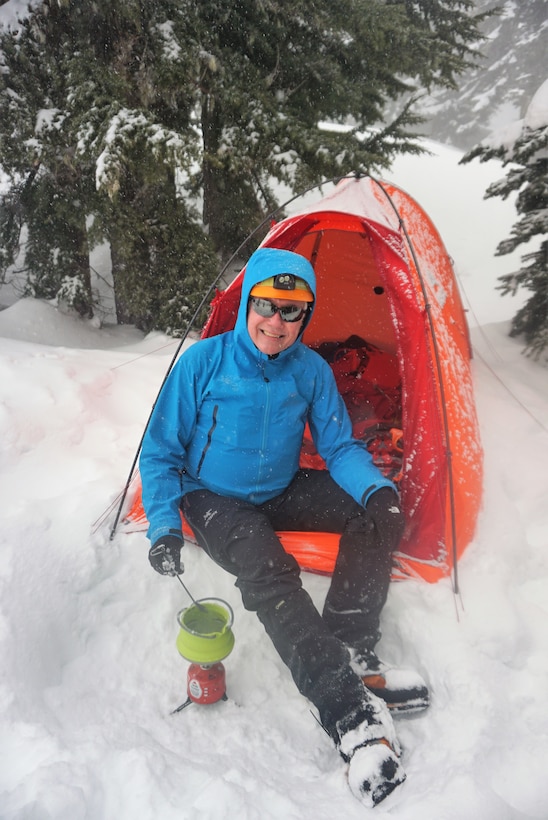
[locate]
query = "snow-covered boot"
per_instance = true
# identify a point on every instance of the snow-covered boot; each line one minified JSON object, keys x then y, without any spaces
{"x":374,"y":772}
{"x":367,"y":741}
{"x":403,"y":690}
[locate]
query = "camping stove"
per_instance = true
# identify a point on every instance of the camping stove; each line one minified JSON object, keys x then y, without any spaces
{"x":205,"y":639}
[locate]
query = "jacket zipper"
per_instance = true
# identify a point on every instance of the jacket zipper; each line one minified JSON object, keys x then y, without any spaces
{"x":208,"y":443}
{"x":266,"y":418}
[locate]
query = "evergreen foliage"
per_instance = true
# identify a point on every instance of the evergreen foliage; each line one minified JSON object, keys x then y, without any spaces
{"x":119,"y":118}
{"x":527,"y":156}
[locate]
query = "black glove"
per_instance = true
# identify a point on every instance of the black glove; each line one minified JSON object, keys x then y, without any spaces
{"x":386,"y":517}
{"x":165,"y":555}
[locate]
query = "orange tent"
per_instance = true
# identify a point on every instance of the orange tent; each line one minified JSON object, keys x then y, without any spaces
{"x":384,"y":276}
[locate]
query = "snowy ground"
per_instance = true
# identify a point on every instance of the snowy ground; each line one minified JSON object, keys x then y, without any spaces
{"x":90,"y":671}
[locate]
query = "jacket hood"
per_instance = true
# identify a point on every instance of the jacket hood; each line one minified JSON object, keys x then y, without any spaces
{"x":267,"y":262}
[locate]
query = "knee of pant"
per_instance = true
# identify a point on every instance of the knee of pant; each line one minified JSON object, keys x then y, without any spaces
{"x":361,"y":534}
{"x":269,"y":584}
{"x":361,"y":524}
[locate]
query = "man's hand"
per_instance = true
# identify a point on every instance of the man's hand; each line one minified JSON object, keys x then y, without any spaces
{"x":386,"y":517}
{"x":165,"y":555}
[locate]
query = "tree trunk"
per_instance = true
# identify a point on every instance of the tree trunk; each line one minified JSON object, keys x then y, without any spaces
{"x":212,"y":173}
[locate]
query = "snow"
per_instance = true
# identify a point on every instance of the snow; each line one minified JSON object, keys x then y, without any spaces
{"x":90,"y":670}
{"x":536,"y":117}
{"x":537,"y":112}
{"x":15,"y":10}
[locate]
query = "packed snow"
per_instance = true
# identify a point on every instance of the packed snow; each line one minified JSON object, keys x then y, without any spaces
{"x":90,"y":672}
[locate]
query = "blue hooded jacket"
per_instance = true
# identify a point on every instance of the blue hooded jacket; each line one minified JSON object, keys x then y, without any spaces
{"x":231,"y":419}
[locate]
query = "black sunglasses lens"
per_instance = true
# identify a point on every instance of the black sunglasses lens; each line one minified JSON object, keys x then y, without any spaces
{"x":263,"y":307}
{"x":266,"y":309}
{"x":292,"y":313}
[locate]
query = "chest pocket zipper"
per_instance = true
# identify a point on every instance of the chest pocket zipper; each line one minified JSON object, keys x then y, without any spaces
{"x":208,"y":443}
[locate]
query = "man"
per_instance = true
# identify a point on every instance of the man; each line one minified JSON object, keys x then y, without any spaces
{"x":223,"y":445}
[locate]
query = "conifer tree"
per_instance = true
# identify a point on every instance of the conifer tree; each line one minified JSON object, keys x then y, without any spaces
{"x":525,"y":149}
{"x":47,"y":183}
{"x":153,"y":108}
{"x":93,"y":97}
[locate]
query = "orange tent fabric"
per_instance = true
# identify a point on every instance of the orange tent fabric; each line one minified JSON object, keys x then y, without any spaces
{"x":383,"y":274}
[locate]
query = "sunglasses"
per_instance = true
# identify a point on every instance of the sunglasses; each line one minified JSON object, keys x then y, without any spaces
{"x":267,"y":309}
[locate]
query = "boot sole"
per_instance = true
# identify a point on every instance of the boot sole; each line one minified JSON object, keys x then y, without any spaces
{"x":401,"y":702}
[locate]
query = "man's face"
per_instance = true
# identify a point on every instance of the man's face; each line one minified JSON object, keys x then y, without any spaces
{"x":272,"y":335}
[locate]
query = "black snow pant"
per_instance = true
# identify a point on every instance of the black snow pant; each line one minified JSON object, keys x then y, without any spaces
{"x":241,"y":538}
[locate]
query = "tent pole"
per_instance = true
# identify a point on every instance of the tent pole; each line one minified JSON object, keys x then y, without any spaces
{"x":437,"y":359}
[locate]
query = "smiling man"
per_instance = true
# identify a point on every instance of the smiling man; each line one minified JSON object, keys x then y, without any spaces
{"x":274,"y":323}
{"x":223,"y":446}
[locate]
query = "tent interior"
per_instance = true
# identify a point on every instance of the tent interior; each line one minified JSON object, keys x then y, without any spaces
{"x":345,"y":266}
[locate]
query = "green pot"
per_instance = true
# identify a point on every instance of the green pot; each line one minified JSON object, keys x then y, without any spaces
{"x":206,"y":635}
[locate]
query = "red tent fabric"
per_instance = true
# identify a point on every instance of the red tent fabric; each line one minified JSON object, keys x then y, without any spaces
{"x":384,"y":276}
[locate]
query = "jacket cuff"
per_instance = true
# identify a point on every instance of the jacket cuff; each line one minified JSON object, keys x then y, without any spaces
{"x":158,"y":532}
{"x":378,"y":485}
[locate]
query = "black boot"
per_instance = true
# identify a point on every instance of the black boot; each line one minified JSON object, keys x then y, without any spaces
{"x":403,"y":690}
{"x":367,"y":741}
